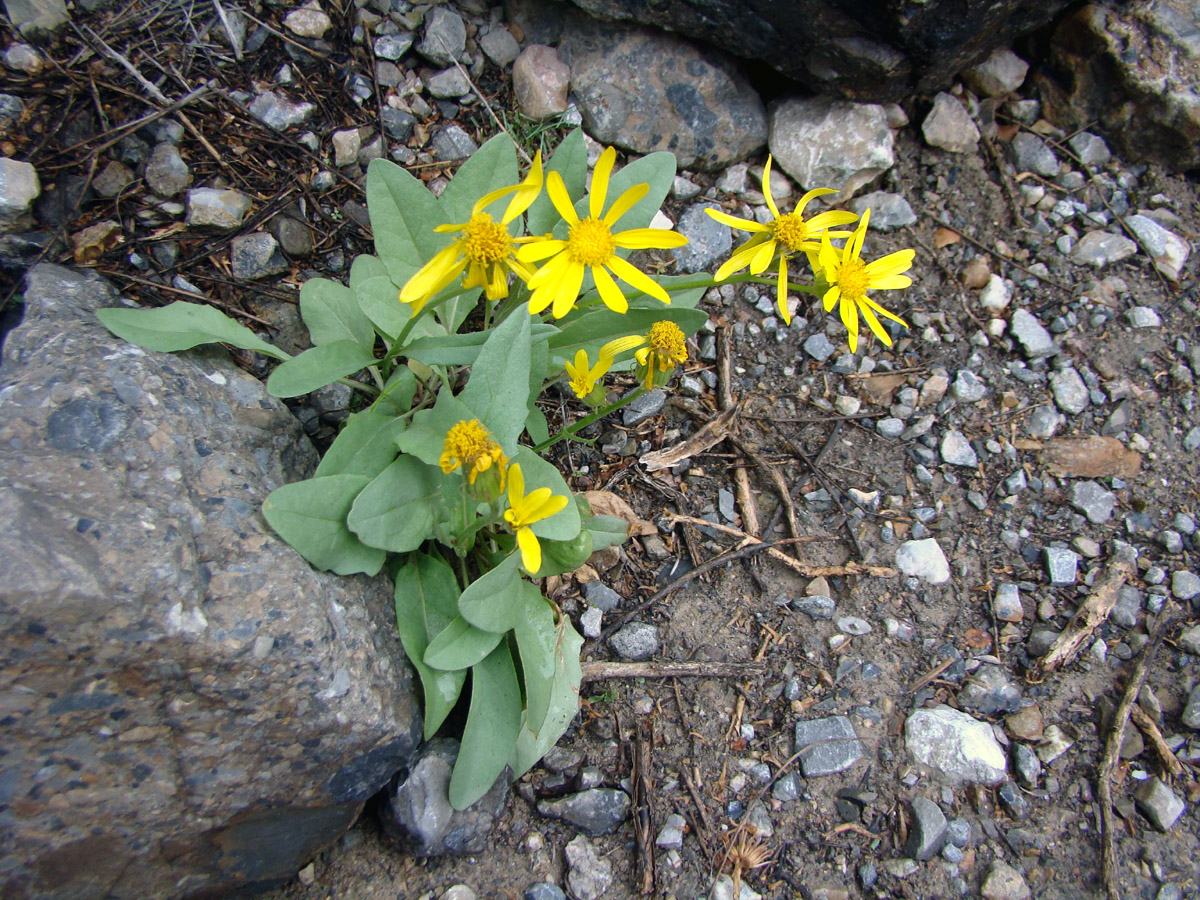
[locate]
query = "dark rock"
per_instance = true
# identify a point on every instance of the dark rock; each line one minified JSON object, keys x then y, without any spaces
{"x":61,"y":202}
{"x":416,"y":811}
{"x":709,"y":241}
{"x":990,"y":692}
{"x":544,"y":890}
{"x":827,"y":746}
{"x":256,"y":256}
{"x":130,"y":486}
{"x":646,"y":91}
{"x":595,"y":812}
{"x":397,"y":123}
{"x":874,"y":52}
{"x":927,"y":832}
{"x":295,"y":238}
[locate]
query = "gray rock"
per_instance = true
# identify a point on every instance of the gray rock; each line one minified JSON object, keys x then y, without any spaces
{"x":256,"y":256}
{"x":112,"y":179}
{"x":308,"y":21}
{"x":19,"y":187}
{"x":1128,"y":609}
{"x":1044,"y":422}
{"x":1189,"y":640}
{"x":819,"y":347}
{"x":926,"y":832}
{"x":346,"y":144}
{"x":1101,"y":248}
{"x":1070,"y":393}
{"x":1062,"y":565}
{"x":648,"y":91}
{"x":708,"y":240}
{"x":949,"y":127}
{"x":1003,"y":882}
{"x":589,"y":874}
{"x":996,"y":294}
{"x":1006,"y":605}
{"x":1093,"y":500}
{"x":590,"y":622}
{"x":451,"y":143}
{"x":816,"y":606}
{"x":294,"y":237}
{"x":786,"y":789}
{"x":999,"y":75}
{"x":416,"y":811}
{"x":544,"y":890}
{"x":1027,"y":765}
{"x":831,"y":143}
{"x":1168,"y":250}
{"x":888,"y":211}
{"x":23,"y":58}
{"x":1090,"y":148}
{"x":594,"y":812}
{"x":1191,"y":440}
{"x":957,"y":450}
{"x":1031,"y":154}
{"x":990,"y":692}
{"x":540,"y":81}
{"x":500,"y":46}
{"x":1184,"y":584}
{"x":276,"y":110}
{"x":600,"y":595}
{"x":449,"y":84}
{"x":967,"y":387}
{"x":223,"y":209}
{"x":670,"y":836}
{"x":635,"y":641}
{"x":645,"y":407}
{"x":681,"y":188}
{"x":1158,"y":803}
{"x":397,"y":123}
{"x":37,"y":19}
{"x":11,"y":110}
{"x":445,"y":38}
{"x":393,"y":46}
{"x":923,"y":559}
{"x":1190,"y":717}
{"x":130,"y":488}
{"x":959,"y":748}
{"x":853,"y":625}
{"x":890,"y":427}
{"x":1035,"y":340}
{"x":827,"y":746}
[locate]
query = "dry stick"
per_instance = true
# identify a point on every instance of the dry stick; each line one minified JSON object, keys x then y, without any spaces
{"x":706,"y":829}
{"x":814,"y":465}
{"x":929,"y":676}
{"x":1087,"y":618}
{"x":602,"y":671}
{"x":233,"y":38}
{"x":1171,"y":765}
{"x":725,"y":401}
{"x":785,"y":493}
{"x":643,"y":826}
{"x":1112,"y":753}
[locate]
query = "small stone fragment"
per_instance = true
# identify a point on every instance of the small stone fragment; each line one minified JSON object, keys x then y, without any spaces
{"x":1062,"y":565}
{"x":256,"y":256}
{"x":923,"y":559}
{"x":595,"y":812}
{"x":1185,"y":585}
{"x":1032,"y":155}
{"x":635,"y":641}
{"x":540,"y":82}
{"x":1006,"y":605}
{"x":927,"y":832}
{"x":1168,"y":250}
{"x":826,"y":746}
{"x":1144,"y":317}
{"x":451,"y":143}
{"x":1070,"y":393}
{"x":1035,"y":340}
{"x":888,"y":211}
{"x":445,"y":38}
{"x":309,"y":21}
{"x":999,"y":75}
{"x":224,"y":209}
{"x":957,"y":450}
{"x":1093,"y":500}
{"x":589,"y":874}
{"x":500,"y":46}
{"x":19,"y":187}
{"x":1003,"y":882}
{"x":1101,"y":248}
{"x":645,"y":407}
{"x":949,"y":127}
{"x":275,"y":110}
{"x":957,"y":746}
{"x":1159,"y":803}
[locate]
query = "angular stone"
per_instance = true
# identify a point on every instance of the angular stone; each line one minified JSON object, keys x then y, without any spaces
{"x":1003,"y":882}
{"x":1159,"y":803}
{"x":1185,"y":585}
{"x":276,"y":110}
{"x":1035,"y":340}
{"x":708,"y":240}
{"x":927,"y":832}
{"x":999,"y":75}
{"x":1006,"y":605}
{"x":1168,"y":250}
{"x":1031,"y":154}
{"x":256,"y":256}
{"x":827,"y":746}
{"x":831,"y":143}
{"x":957,"y":746}
{"x":393,"y":46}
{"x":112,"y":179}
{"x":1190,"y":717}
{"x":448,"y":84}
{"x":397,"y":123}
{"x":990,"y":692}
{"x":130,"y":489}
{"x":949,"y":127}
{"x":636,"y":641}
{"x":451,"y":143}
{"x":445,"y":38}
{"x":346,"y":144}
{"x":224,"y":209}
{"x":923,"y":559}
{"x":1101,"y":248}
{"x":1070,"y":393}
{"x":589,"y":874}
{"x":500,"y":46}
{"x":1093,"y":500}
{"x":37,"y":19}
{"x":309,"y":21}
{"x":595,"y":812}
{"x":957,"y":450}
{"x":996,"y":295}
{"x":1062,"y":565}
{"x":648,"y":91}
{"x":888,"y":211}
{"x":19,"y":187}
{"x":647,"y":406}
{"x":816,"y":606}
{"x":540,"y":81}
{"x":1090,"y":148}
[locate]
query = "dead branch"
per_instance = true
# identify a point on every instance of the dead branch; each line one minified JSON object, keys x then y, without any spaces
{"x":602,"y":671}
{"x":709,"y":435}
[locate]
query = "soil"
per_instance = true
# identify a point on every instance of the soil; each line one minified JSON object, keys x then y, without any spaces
{"x":711,"y":731}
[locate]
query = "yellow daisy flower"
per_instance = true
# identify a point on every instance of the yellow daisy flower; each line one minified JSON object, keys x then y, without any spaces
{"x":470,"y":445}
{"x":584,"y":378}
{"x":484,"y":247}
{"x":850,"y":278}
{"x":657,"y":351}
{"x":525,"y":509}
{"x":592,"y":245}
{"x":786,"y":234}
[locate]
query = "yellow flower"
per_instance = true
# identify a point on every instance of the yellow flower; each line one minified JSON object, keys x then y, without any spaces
{"x":525,"y":509}
{"x":592,"y":245}
{"x":583,"y":379}
{"x":484,"y":247}
{"x":658,"y":351}
{"x":850,"y":278}
{"x":469,"y":444}
{"x":786,"y":234}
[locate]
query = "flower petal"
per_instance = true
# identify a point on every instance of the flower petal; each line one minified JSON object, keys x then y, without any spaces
{"x":600,"y":176}
{"x":550,"y":273}
{"x":625,"y":203}
{"x":516,"y":486}
{"x":890,"y":282}
{"x":610,"y":293}
{"x":735,"y":222}
{"x":867,"y":301}
{"x":849,"y":312}
{"x":568,"y":289}
{"x":645,"y":238}
{"x":617,"y":346}
{"x":766,"y":186}
{"x":860,"y":233}
{"x":810,"y":196}
{"x":560,"y":198}
{"x":740,"y":257}
{"x":892,"y":264}
{"x":527,"y":192}
{"x":637,"y":279}
{"x":829,"y":219}
{"x":541,"y":248}
{"x":831,"y":297}
{"x":781,"y":292}
{"x":874,"y":324}
{"x":445,"y":266}
{"x":531,"y":550}
{"x":762,"y":257}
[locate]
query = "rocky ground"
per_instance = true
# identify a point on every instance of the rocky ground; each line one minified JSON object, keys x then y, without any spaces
{"x":1026,"y":449}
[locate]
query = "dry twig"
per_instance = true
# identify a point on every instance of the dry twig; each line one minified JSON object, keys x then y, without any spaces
{"x":602,"y":671}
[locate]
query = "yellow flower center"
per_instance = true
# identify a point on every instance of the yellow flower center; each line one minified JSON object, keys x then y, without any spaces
{"x":590,"y":242}
{"x":791,"y":230}
{"x":853,"y":279}
{"x":470,"y":444}
{"x":667,"y":340}
{"x":484,"y":240}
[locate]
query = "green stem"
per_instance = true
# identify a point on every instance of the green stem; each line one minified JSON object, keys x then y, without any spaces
{"x":742,"y":278}
{"x":570,"y":431}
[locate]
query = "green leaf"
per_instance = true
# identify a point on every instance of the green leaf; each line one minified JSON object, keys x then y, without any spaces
{"x":492,"y":166}
{"x":607,"y":531}
{"x":656,"y":170}
{"x":463,"y":349}
{"x":536,"y":425}
{"x":563,"y":525}
{"x":331,"y":313}
{"x":365,"y":266}
{"x":460,"y":645}
{"x":491,"y":731}
{"x":550,"y":662}
{"x":395,"y":511}
{"x":426,"y":591}
{"x":597,"y":326}
{"x":398,"y":392}
{"x":403,"y":216}
{"x":319,"y":366}
{"x":494,"y":601}
{"x":689,"y":299}
{"x":498,"y":391}
{"x":311,"y":516}
{"x":180,"y":326}
{"x":569,"y":161}
{"x":560,"y":557}
{"x":379,"y":300}
{"x":366,"y":445}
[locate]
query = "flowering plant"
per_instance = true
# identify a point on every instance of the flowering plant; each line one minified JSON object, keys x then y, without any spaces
{"x":440,"y":475}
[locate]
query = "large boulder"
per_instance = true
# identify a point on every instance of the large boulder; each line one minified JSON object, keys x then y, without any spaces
{"x":1134,"y":69}
{"x":875,"y":51}
{"x":189,"y":709}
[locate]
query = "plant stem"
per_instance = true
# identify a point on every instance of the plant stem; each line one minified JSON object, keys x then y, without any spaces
{"x":571,"y":430}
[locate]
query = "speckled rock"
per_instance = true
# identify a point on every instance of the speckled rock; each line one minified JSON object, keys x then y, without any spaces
{"x":961,"y":749}
{"x":216,"y":208}
{"x":225,"y":700}
{"x":831,"y":143}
